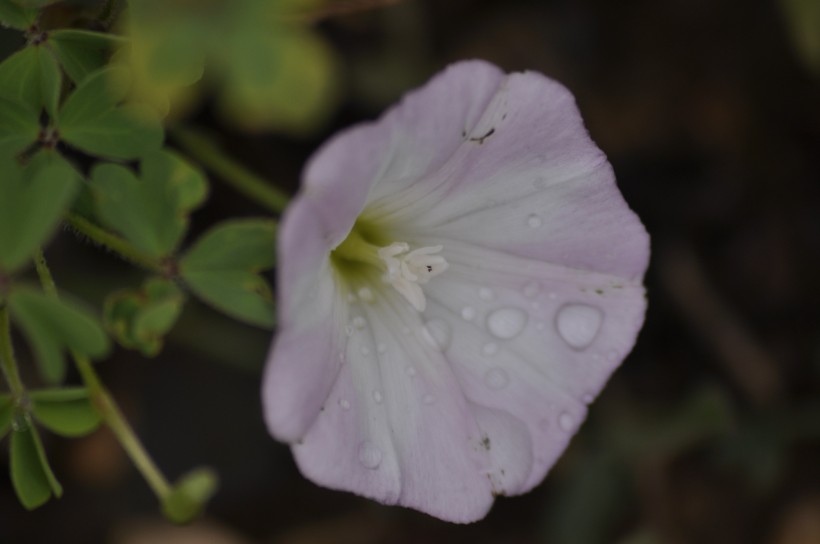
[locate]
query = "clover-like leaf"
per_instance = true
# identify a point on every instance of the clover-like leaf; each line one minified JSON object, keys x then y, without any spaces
{"x":140,"y":319}
{"x":54,"y":326}
{"x":189,"y":495}
{"x":17,"y":16}
{"x":6,"y":414}
{"x":67,"y":412}
{"x":32,"y":477}
{"x":95,"y":118}
{"x":222,"y":268}
{"x":151,"y":211}
{"x":81,"y":52}
{"x":19,"y":127}
{"x":31,"y":77}
{"x":32,"y":199}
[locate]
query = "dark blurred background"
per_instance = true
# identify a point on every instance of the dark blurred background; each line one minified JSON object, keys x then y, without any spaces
{"x":709,"y":111}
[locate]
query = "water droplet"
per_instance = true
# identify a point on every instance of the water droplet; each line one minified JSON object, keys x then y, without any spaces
{"x":366,"y":294}
{"x":381,"y":348}
{"x":365,"y":350}
{"x":411,"y":371}
{"x":369,"y":455}
{"x":436,"y":332}
{"x":490,"y":348}
{"x":359,"y":322}
{"x":429,"y":399}
{"x":348,"y":329}
{"x":485,"y":293}
{"x":587,"y":398}
{"x":377,"y":396}
{"x":344,"y":404}
{"x":506,"y":323}
{"x":531,"y":289}
{"x":533,"y":221}
{"x":566,"y":422}
{"x":578,"y":324}
{"x":468,"y":313}
{"x":496,"y":378}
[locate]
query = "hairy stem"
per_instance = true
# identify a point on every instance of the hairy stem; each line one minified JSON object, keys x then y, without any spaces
{"x":106,"y":405}
{"x":7,"y":360}
{"x":113,"y":242}
{"x":203,"y":150}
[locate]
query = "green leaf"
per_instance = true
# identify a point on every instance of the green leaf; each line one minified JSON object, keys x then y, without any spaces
{"x":150,"y":211}
{"x":31,"y":77}
{"x":31,"y":475}
{"x":67,"y":412}
{"x":32,"y":200}
{"x":6,"y":414}
{"x":190,"y":494}
{"x":93,"y":119}
{"x":802,"y":18}
{"x":81,"y":52}
{"x":222,"y":269}
{"x":19,"y":127}
{"x":140,"y":319}
{"x":17,"y":16}
{"x":53,"y":326}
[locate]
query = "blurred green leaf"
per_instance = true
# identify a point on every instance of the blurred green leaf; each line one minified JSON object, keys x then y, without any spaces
{"x":803,"y":23}
{"x":19,"y":127}
{"x":31,"y":77}
{"x":190,"y":495}
{"x":150,"y":211}
{"x":140,"y":319}
{"x":53,"y":326}
{"x":222,"y":268}
{"x":31,"y":475}
{"x":81,"y":52}
{"x":67,"y":412}
{"x":16,"y":16}
{"x":95,"y":120}
{"x":32,"y":201}
{"x":6,"y":414}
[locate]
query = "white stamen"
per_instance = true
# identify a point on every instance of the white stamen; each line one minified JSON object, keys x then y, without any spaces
{"x":406,"y":269}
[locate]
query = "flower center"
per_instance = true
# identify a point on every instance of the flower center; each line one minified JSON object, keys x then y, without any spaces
{"x":404,"y":268}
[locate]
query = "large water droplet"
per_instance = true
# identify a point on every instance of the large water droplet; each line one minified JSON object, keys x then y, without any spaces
{"x":566,"y":421}
{"x":344,"y":404}
{"x":496,"y":378}
{"x":485,"y":293}
{"x":359,"y":322}
{"x":531,"y":289}
{"x":506,"y":323}
{"x":366,"y":294}
{"x":369,"y":455}
{"x":578,"y":324}
{"x":533,"y":221}
{"x":490,"y":348}
{"x":377,"y":396}
{"x":436,"y":332}
{"x":468,"y":313}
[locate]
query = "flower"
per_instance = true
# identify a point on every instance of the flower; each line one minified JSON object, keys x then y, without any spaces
{"x":457,"y":280}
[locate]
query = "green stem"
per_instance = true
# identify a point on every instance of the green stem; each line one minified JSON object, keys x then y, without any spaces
{"x":203,"y":150}
{"x":7,"y":360}
{"x":114,"y":243}
{"x":106,"y":405}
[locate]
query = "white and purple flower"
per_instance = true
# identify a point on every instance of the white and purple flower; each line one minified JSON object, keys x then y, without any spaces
{"x":457,"y":281}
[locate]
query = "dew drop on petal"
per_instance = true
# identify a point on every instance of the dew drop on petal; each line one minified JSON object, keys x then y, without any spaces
{"x":359,"y":322}
{"x":566,"y":422}
{"x":496,"y":378}
{"x":377,"y":396}
{"x":485,"y":293}
{"x":531,"y":289}
{"x":366,"y":294}
{"x":587,"y":398}
{"x":506,"y":323}
{"x":369,"y":455}
{"x":490,"y":348}
{"x":468,"y":313}
{"x":578,"y":324}
{"x":436,"y":333}
{"x":533,"y":221}
{"x":344,"y":404}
